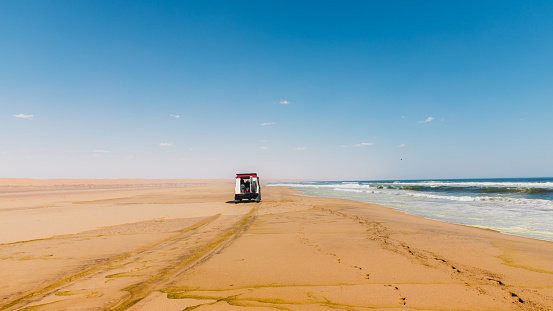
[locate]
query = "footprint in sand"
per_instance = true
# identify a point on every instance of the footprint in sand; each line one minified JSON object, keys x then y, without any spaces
{"x":517,"y":298}
{"x":366,"y":276}
{"x":356,"y":267}
{"x":498,"y":282}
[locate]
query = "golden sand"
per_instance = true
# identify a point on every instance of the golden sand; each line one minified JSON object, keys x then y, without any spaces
{"x":168,"y":247}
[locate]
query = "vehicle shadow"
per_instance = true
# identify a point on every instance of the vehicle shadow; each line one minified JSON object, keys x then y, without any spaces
{"x":241,"y":202}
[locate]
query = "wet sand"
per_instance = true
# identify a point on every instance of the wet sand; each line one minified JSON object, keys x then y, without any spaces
{"x":189,"y":247}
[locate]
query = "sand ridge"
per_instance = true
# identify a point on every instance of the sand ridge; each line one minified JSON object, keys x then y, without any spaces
{"x":192,"y":248}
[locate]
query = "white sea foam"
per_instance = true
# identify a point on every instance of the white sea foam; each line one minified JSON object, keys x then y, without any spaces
{"x":482,"y":198}
{"x":366,"y":188}
{"x":350,"y":190}
{"x":516,"y":213}
{"x":365,"y":191}
{"x":538,"y":202}
{"x":432,"y":184}
{"x":502,"y":184}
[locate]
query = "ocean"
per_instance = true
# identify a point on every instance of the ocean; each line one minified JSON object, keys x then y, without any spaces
{"x":518,"y":206}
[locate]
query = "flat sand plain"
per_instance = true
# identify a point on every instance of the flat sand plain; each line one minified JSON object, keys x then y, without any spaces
{"x":188,"y":247}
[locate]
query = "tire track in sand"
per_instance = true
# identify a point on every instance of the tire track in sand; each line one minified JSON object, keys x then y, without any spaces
{"x":103,"y":266}
{"x":156,"y":263}
{"x":140,"y":290}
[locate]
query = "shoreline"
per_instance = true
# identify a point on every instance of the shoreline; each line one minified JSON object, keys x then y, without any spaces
{"x":428,"y":218}
{"x":174,"y":248}
{"x":508,"y":214}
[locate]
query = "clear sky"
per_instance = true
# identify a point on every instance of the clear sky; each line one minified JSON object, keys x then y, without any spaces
{"x":342,"y":90}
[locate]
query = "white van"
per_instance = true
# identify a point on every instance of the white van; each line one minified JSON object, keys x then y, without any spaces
{"x":247,"y":187}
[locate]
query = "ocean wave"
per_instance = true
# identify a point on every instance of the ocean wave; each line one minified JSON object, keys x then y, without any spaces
{"x":520,"y":207}
{"x":419,"y":191}
{"x":471,"y":184}
{"x":537,"y":189}
{"x":542,"y":203}
{"x":530,"y":191}
{"x":548,"y":205}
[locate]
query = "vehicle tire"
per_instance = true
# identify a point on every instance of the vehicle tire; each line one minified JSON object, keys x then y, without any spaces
{"x":237,"y":201}
{"x":258,"y":198}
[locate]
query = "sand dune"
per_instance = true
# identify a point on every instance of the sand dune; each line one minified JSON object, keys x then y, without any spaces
{"x":173,"y":248}
{"x":18,"y":182}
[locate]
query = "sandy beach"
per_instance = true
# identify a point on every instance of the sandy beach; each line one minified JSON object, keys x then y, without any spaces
{"x":184,"y":245}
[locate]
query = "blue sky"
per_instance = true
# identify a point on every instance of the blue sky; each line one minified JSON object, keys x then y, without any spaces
{"x":290,"y":89}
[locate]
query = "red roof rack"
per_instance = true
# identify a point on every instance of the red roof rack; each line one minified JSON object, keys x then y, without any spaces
{"x":246,"y":175}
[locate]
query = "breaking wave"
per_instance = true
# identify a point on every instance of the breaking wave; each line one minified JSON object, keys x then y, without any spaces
{"x":518,"y":206}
